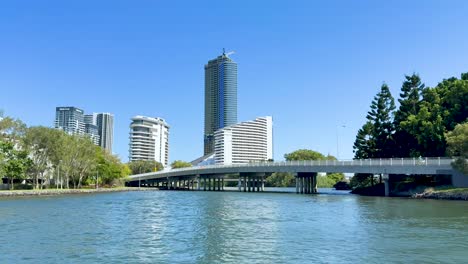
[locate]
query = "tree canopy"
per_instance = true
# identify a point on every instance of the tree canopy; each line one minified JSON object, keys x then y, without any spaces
{"x":144,"y":166}
{"x":177,"y":164}
{"x":457,"y":142}
{"x":50,"y":156}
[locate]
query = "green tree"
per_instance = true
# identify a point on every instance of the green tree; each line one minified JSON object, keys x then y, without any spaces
{"x":177,"y":164}
{"x":378,"y":131}
{"x":453,"y":94}
{"x":281,"y":179}
{"x":43,"y":145}
{"x":325,"y":181}
{"x":410,"y":100}
{"x":457,"y":142}
{"x":13,"y":162}
{"x":109,"y":168}
{"x":428,"y":125}
{"x":144,"y":166}
{"x":11,"y":129}
{"x":364,"y":143}
{"x":304,"y":154}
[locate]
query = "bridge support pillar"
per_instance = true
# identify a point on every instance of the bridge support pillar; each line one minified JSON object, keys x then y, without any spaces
{"x":385,"y":178}
{"x":253,"y":181}
{"x":263,"y":183}
{"x":306,"y":182}
{"x":314,"y":183}
{"x":222,"y":184}
{"x":297,"y":184}
{"x":204,"y":183}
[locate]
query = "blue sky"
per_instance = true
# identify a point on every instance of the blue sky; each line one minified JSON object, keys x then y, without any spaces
{"x":313,"y":65}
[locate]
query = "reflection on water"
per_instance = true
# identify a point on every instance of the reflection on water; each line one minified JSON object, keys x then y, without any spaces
{"x":231,"y":227}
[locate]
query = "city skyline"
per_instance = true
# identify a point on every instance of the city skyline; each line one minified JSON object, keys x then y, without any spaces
{"x":313,"y":66}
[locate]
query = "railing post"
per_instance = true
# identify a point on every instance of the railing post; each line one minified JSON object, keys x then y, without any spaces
{"x":380,"y":161}
{"x":439,"y":161}
{"x":391,"y":161}
{"x":414,"y":161}
{"x":426,"y":161}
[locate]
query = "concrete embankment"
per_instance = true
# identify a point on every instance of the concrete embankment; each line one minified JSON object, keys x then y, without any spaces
{"x":50,"y":192}
{"x":444,"y":194}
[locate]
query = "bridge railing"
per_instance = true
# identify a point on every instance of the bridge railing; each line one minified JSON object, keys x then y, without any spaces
{"x":442,"y":161}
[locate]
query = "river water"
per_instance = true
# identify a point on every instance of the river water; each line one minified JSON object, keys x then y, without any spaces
{"x":231,"y":227}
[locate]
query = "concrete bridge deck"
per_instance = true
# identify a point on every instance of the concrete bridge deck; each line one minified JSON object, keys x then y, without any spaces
{"x":252,"y":175}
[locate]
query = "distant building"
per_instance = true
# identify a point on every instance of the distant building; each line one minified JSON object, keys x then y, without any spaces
{"x":70,"y":119}
{"x":90,"y":119}
{"x":250,"y":141}
{"x":105,"y":124}
{"x":149,"y":139}
{"x":92,"y":131}
{"x":220,"y":97}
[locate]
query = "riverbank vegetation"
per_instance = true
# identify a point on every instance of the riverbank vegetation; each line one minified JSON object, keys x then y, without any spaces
{"x":430,"y":122}
{"x":40,"y":157}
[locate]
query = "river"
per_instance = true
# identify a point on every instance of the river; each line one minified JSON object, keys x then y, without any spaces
{"x":231,"y":227}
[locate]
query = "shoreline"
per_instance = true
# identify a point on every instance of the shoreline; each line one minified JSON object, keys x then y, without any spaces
{"x":458,"y":194}
{"x":56,"y":192}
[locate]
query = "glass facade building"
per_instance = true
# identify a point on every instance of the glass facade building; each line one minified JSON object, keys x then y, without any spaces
{"x":220,"y":97}
{"x":70,"y":119}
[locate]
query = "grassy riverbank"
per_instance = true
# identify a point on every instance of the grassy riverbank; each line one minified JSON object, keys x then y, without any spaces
{"x":50,"y":192}
{"x":443,"y":192}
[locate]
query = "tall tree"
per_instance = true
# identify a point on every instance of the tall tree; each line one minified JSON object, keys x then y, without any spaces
{"x":428,"y":125}
{"x":375,"y":139}
{"x":364,"y":143}
{"x":453,"y":93}
{"x":43,"y":145}
{"x":410,"y":99}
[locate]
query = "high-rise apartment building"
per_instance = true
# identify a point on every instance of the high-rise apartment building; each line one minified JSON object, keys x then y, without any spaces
{"x":92,"y":131}
{"x":250,"y":141}
{"x":220,"y":97}
{"x":149,"y":139}
{"x":70,"y":119}
{"x":105,"y":125}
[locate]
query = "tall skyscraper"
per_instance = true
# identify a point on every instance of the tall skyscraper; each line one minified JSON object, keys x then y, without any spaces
{"x":105,"y":125}
{"x":220,"y":97}
{"x":70,"y":119}
{"x":149,"y":139}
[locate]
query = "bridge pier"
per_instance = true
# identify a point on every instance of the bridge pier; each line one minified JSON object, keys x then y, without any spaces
{"x":386,"y":178}
{"x":306,"y":182}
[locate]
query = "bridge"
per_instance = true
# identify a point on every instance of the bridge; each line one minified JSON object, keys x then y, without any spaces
{"x":251,"y":176}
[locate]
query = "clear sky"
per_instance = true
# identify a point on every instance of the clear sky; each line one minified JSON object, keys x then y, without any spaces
{"x":313,"y":65}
